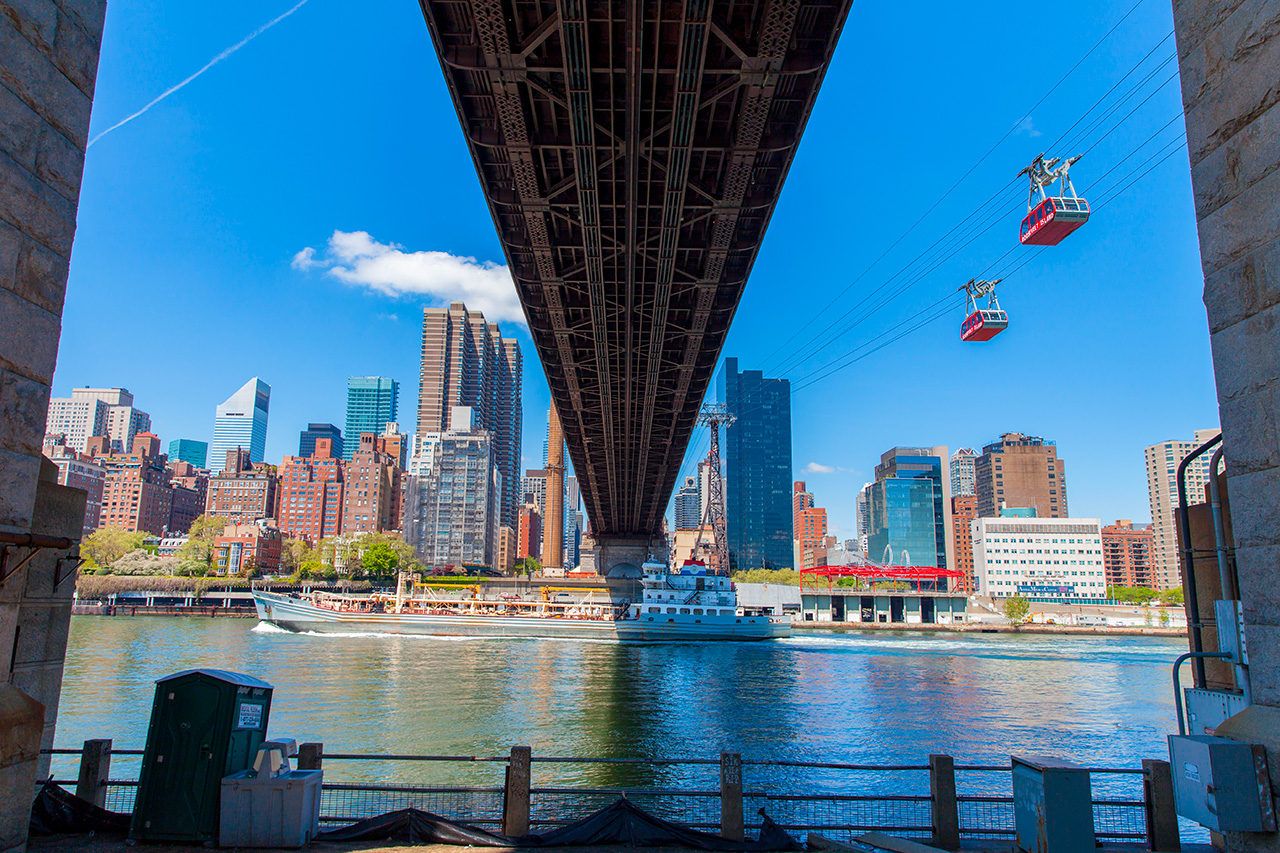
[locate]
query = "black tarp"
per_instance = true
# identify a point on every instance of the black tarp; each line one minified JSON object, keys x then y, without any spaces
{"x":58,"y":812}
{"x":620,"y":823}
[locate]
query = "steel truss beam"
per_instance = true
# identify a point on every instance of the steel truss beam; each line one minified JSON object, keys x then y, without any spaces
{"x":631,"y":152}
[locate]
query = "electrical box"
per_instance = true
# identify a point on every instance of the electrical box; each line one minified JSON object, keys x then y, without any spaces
{"x":1221,"y":783}
{"x":205,"y":724}
{"x":1208,"y":709}
{"x":1052,"y":806}
{"x":281,"y":810}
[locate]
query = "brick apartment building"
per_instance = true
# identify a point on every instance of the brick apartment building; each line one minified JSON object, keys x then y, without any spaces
{"x":1128,"y":554}
{"x":244,"y":491}
{"x":311,"y":493}
{"x":240,"y":545}
{"x":964,"y":509}
{"x":136,"y":493}
{"x":373,"y":499}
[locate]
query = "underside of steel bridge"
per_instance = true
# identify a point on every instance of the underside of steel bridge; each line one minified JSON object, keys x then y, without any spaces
{"x":631,"y":153}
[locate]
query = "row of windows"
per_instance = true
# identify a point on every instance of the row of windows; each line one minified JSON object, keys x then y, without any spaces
{"x":697,"y":611}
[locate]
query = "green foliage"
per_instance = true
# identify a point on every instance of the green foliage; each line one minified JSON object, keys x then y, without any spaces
{"x":528,"y":566}
{"x":1172,"y":597}
{"x":197,"y":555}
{"x":786,"y":577}
{"x":1132,"y":594}
{"x":1016,"y":609}
{"x":380,"y":560}
{"x":107,"y":544}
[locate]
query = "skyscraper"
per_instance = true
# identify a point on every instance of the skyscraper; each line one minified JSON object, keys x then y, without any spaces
{"x":962,"y":483}
{"x":241,"y":422}
{"x":1021,"y":471}
{"x":467,"y":362}
{"x":188,"y":450}
{"x":372,"y":403}
{"x":314,"y":432}
{"x":910,"y":508}
{"x":452,"y":513}
{"x":1162,"y":461}
{"x":758,"y":468}
{"x":90,"y":412}
{"x":687,"y":512}
{"x":863,"y":506}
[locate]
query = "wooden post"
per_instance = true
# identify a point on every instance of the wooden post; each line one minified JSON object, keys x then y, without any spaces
{"x":1162,"y":815}
{"x":943,"y":802}
{"x":95,"y":769}
{"x":311,"y":756}
{"x":731,"y":823}
{"x":515,"y":800}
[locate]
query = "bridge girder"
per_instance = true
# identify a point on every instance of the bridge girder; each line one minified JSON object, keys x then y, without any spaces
{"x":631,"y":153}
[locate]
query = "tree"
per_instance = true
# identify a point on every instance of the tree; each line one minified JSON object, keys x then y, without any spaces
{"x":1172,"y":597}
{"x":197,"y":556}
{"x":380,"y":560}
{"x":294,"y":554}
{"x":528,"y":566}
{"x":1016,"y":609}
{"x":107,"y":544}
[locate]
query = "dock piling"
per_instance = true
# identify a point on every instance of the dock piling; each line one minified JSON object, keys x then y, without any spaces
{"x":731,"y":822}
{"x":515,"y":798}
{"x":943,"y":803}
{"x":95,"y":769}
{"x":1162,"y":816}
{"x":311,"y":756}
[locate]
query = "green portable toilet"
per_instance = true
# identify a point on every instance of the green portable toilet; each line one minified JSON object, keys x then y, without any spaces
{"x":205,"y":724}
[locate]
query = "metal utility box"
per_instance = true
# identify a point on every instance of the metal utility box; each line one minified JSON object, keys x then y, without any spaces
{"x":270,"y":811}
{"x":1208,"y":709}
{"x":1221,"y":783}
{"x":205,"y":724}
{"x":1052,"y":805}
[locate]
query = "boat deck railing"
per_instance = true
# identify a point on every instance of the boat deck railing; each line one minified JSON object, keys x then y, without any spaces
{"x":522,"y":792}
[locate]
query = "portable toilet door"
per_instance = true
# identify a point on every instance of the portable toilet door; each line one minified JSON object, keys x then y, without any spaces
{"x":205,"y":724}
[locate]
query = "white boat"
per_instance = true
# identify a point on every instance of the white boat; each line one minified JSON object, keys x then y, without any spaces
{"x":689,"y":603}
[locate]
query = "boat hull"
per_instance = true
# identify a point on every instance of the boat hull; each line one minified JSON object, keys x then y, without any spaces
{"x":300,"y":616}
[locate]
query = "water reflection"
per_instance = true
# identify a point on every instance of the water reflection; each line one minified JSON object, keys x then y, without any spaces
{"x":820,"y":696}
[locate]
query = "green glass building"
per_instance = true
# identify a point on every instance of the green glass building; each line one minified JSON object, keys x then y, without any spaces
{"x":372,"y":403}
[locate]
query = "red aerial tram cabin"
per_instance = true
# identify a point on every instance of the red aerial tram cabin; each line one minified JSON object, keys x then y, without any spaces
{"x":1052,"y":220}
{"x":983,"y":325}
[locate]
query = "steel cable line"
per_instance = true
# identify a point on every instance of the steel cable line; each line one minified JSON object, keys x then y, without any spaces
{"x":942,"y":253}
{"x":865,"y":350}
{"x":981,"y":160}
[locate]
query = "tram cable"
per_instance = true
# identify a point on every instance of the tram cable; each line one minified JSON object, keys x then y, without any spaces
{"x":981,"y":160}
{"x":940,"y":250}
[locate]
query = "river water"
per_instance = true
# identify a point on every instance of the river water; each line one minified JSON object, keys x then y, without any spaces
{"x":864,"y":698}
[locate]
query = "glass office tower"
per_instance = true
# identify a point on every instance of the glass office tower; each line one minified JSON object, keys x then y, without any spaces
{"x":757,"y":454}
{"x":909,"y":506}
{"x":372,"y":403}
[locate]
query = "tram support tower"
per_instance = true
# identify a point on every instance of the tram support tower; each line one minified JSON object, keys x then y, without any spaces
{"x":713,"y":416}
{"x":553,"y":524}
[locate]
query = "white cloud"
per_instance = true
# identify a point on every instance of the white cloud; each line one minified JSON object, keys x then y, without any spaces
{"x":818,"y":468}
{"x":355,"y":258}
{"x":1028,"y":127}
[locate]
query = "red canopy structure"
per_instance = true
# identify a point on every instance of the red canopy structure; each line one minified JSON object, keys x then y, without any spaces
{"x":873,"y":573}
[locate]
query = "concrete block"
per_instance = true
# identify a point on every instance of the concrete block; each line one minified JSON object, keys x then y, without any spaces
{"x":1228,"y":76}
{"x":41,"y":276}
{"x":1195,"y":19}
{"x":28,"y":338}
{"x":1264,"y":645}
{"x":20,"y":129}
{"x":11,"y":244}
{"x":1242,"y":289}
{"x":1239,"y":163}
{"x":75,"y":52}
{"x":1258,"y":569}
{"x":1250,"y":423}
{"x":24,"y":405}
{"x":1247,"y":223}
{"x":1253,"y":507}
{"x":91,"y":13}
{"x":36,"y":208}
{"x":60,"y":164}
{"x":36,"y":20}
{"x":18,"y":474}
{"x":20,"y":738}
{"x":32,"y":76}
{"x":1246,"y":358}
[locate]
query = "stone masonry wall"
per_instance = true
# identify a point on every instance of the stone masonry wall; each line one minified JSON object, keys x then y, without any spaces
{"x":1229,"y":55}
{"x":48,"y":64}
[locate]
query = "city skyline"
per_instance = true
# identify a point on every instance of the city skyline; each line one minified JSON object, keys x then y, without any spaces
{"x":137,"y":234}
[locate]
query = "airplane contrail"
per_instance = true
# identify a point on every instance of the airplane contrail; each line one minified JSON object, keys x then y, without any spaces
{"x":212,"y":62}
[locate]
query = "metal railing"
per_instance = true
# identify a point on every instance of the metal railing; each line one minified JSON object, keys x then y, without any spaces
{"x":940,"y":801}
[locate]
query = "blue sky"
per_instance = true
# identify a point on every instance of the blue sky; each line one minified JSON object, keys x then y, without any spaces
{"x":186,"y":278}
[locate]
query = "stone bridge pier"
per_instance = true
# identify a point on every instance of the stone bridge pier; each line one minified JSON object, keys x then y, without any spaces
{"x":1229,"y":57}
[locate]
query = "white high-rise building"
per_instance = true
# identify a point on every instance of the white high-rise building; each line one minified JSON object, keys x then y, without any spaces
{"x":1162,"y":462}
{"x":90,"y":412}
{"x":453,"y":506}
{"x":241,"y":422}
{"x":1041,"y":559}
{"x":687,"y":509}
{"x":863,"y":507}
{"x":962,"y":475}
